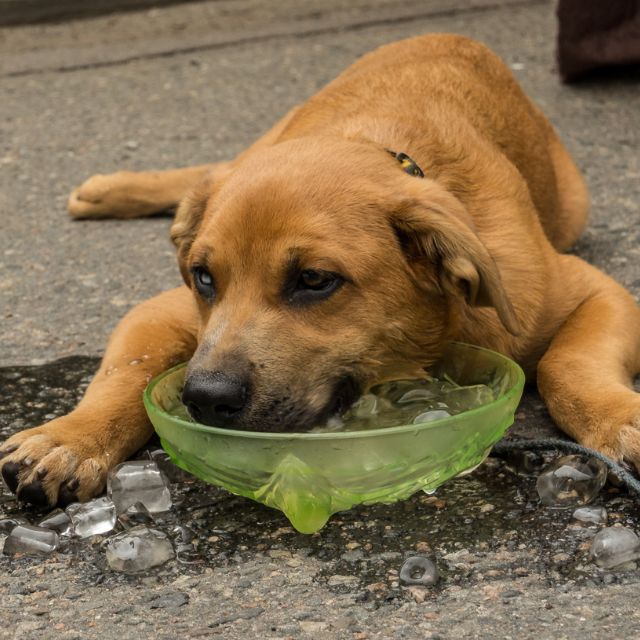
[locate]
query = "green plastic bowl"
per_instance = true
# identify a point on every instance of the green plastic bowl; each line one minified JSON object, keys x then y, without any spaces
{"x":310,"y":476}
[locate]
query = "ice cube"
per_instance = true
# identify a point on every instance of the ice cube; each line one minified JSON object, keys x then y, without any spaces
{"x":461,"y":399}
{"x":7,"y":525}
{"x":595,"y":515}
{"x":138,"y":549}
{"x":139,"y":481}
{"x":419,"y":570}
{"x":365,"y":406}
{"x":30,"y":540}
{"x":430,"y":416}
{"x":92,"y":518}
{"x":135,"y":515}
{"x":613,"y":546}
{"x":571,"y":480}
{"x":416,"y":395}
{"x":57,"y":521}
{"x":172,"y":471}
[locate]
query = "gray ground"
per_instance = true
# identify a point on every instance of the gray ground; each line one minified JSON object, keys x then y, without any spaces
{"x":195,"y":83}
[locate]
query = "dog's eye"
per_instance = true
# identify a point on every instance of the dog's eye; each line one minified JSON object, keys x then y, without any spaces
{"x":313,"y":286}
{"x":203,"y":281}
{"x":315,"y":280}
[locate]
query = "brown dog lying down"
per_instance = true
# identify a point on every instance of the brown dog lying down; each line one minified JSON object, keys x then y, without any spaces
{"x":320,"y":261}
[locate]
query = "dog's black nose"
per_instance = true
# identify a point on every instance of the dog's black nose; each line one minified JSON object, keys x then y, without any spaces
{"x":216,"y":399}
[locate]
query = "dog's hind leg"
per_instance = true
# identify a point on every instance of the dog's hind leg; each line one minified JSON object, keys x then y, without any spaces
{"x":586,"y":376}
{"x":68,"y":458}
{"x":127,"y":194}
{"x":573,"y":197}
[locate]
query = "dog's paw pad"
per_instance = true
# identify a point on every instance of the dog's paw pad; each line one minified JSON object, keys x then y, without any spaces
{"x":33,"y":493}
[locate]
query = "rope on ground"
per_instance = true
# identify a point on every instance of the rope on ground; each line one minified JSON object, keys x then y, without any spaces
{"x":504,"y":447}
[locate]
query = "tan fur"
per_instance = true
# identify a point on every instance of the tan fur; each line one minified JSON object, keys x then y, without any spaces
{"x":471,"y":252}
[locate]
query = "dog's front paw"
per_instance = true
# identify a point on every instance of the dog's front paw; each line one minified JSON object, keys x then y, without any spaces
{"x":629,"y":442}
{"x":54,"y":464}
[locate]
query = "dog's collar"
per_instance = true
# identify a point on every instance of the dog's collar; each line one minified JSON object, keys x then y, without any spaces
{"x":409,"y":165}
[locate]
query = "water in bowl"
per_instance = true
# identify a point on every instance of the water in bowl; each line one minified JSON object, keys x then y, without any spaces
{"x":400,"y":402}
{"x":409,"y":402}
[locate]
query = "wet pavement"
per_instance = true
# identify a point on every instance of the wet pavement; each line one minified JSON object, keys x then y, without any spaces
{"x":197,"y":83}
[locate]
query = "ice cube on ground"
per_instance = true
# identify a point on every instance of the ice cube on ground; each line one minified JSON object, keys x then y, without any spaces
{"x":30,"y":540}
{"x":7,"y":525}
{"x":571,"y":481}
{"x":138,"y":549}
{"x":613,"y":546}
{"x":592,"y":514}
{"x":58,"y":521}
{"x":419,"y":570}
{"x":137,"y":514}
{"x":139,"y":481}
{"x":92,"y":518}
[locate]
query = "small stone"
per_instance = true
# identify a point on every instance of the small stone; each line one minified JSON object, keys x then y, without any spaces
{"x":58,"y":521}
{"x":571,"y":480}
{"x":596,"y":515}
{"x":419,"y":570}
{"x":168,"y":600}
{"x":423,"y":547}
{"x":419,"y":594}
{"x":30,"y":540}
{"x":377,"y":587}
{"x":139,"y":481}
{"x":138,"y":549}
{"x":338,"y":580}
{"x":614,"y":546}
{"x":486,"y":508}
{"x":92,"y":518}
{"x":132,"y":145}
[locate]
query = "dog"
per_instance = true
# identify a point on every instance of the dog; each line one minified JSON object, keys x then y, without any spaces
{"x":417,"y":199}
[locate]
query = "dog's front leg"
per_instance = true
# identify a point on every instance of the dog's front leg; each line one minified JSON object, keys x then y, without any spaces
{"x":586,"y":376}
{"x":68,"y":458}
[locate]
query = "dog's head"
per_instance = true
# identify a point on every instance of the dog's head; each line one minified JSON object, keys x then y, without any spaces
{"x":319,"y":268}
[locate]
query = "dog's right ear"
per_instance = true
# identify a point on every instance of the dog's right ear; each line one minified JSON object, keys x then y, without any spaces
{"x":187,"y":223}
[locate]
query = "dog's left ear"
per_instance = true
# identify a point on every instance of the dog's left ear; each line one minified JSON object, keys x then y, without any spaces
{"x":433,"y":225}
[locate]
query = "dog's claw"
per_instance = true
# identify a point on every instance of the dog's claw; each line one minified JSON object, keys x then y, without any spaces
{"x":6,"y":451}
{"x":10,"y":473}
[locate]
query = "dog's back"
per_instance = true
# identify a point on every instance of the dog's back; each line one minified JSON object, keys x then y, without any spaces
{"x":457,"y":107}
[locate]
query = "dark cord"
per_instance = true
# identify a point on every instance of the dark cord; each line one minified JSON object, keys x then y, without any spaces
{"x":504,"y":447}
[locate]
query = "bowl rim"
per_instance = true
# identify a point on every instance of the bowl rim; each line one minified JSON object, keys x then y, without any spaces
{"x":516,"y":388}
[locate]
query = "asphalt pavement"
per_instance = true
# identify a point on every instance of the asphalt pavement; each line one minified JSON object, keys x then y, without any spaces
{"x":195,"y":83}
